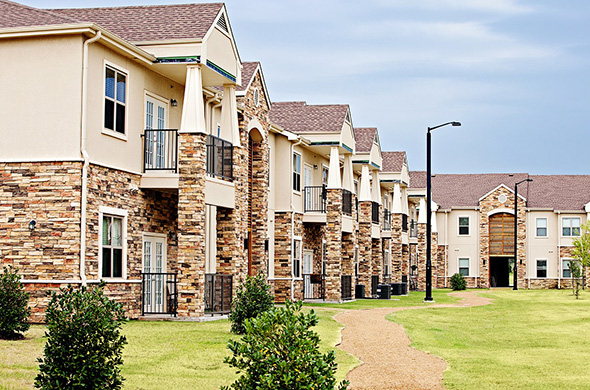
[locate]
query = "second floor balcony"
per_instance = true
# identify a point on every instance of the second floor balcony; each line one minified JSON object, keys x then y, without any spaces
{"x":160,"y":150}
{"x":413,"y":229}
{"x":386,"y":220}
{"x":375,"y":212}
{"x":219,"y":158}
{"x":314,"y":199}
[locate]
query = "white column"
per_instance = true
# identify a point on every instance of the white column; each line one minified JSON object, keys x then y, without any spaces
{"x":433,"y":208}
{"x":193,"y":108}
{"x":334,"y":180}
{"x":347,"y":179}
{"x":405,"y":206}
{"x":365,"y":194}
{"x":376,"y":190}
{"x":229,"y":114}
{"x":422,"y":211}
{"x":396,"y":207}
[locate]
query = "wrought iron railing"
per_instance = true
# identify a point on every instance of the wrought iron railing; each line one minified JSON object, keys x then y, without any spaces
{"x":413,"y":229}
{"x":219,"y":158}
{"x":314,"y":286}
{"x":346,"y":286}
{"x":218,"y":293}
{"x":375,"y":212}
{"x":404,"y":223}
{"x":159,"y":293}
{"x":314,"y":199}
{"x":160,"y":150}
{"x":346,"y":202}
{"x":386,"y":220}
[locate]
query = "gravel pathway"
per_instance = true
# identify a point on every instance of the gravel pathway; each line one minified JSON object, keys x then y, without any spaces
{"x":384,"y":348}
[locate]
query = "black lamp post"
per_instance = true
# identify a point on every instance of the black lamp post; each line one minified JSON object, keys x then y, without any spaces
{"x":515,"y":283}
{"x":428,"y":297}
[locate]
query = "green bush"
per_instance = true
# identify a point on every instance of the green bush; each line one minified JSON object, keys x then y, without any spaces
{"x":279,"y":351}
{"x":84,"y":345}
{"x":458,"y":282}
{"x":14,"y":309}
{"x":252,"y":298}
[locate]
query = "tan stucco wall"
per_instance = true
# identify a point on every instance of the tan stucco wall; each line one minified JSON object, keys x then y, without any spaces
{"x":40,"y":123}
{"x":543,"y":248}
{"x":281,"y":172}
{"x":459,"y":246}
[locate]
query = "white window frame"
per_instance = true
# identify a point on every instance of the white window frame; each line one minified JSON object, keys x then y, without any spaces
{"x":326,"y":169}
{"x":563,"y":260}
{"x":537,"y":268}
{"x":293,"y":172}
{"x":459,"y":226}
{"x":571,"y":227}
{"x":111,"y":211}
{"x":297,"y":257}
{"x":120,"y":69}
{"x":386,"y":263}
{"x":537,"y":228}
{"x":468,"y":265}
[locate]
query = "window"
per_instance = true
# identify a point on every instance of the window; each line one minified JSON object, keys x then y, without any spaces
{"x":324,"y":175}
{"x":296,"y":172}
{"x":570,"y":226}
{"x":256,"y":97}
{"x":463,"y":226}
{"x":297,"y":258}
{"x":386,"y":263}
{"x":565,"y":269}
{"x":115,"y":91}
{"x":112,"y":239}
{"x":541,"y":227}
{"x":464,"y":267}
{"x":541,"y":268}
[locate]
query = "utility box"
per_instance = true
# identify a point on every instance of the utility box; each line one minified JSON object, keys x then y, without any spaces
{"x":384,"y":291}
{"x":397,"y":288}
{"x":359,"y":291}
{"x":404,"y":288}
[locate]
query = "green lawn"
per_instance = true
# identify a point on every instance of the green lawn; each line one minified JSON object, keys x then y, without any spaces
{"x":525,"y":340}
{"x":162,"y":355}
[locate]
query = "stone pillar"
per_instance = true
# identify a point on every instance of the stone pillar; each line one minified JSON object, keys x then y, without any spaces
{"x":191,"y":224}
{"x":334,"y":244}
{"x":282,"y":261}
{"x":377,"y":249}
{"x":365,"y":246}
{"x":396,"y":248}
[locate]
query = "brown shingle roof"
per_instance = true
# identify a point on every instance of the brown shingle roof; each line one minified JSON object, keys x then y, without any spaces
{"x":151,"y":23}
{"x":299,"y":117}
{"x":248,"y":72}
{"x":557,"y":192}
{"x":363,"y":138}
{"x":393,"y":161}
{"x":19,"y":15}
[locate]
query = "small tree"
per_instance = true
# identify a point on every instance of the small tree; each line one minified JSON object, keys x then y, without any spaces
{"x":14,"y":309}
{"x":581,"y":250}
{"x":84,"y":345}
{"x":576,"y":271}
{"x":458,"y":282}
{"x":279,"y":351}
{"x":252,"y":298}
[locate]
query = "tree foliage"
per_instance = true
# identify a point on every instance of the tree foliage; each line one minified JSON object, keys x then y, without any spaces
{"x":84,"y":345}
{"x":14,"y":301}
{"x":458,"y":282}
{"x":280,"y":351}
{"x":581,"y":250}
{"x":252,"y":298}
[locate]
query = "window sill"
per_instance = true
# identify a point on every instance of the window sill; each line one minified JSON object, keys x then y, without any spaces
{"x":114,"y":134}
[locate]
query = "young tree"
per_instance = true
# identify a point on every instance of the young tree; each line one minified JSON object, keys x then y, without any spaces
{"x":581,"y":250}
{"x":576,"y":271}
{"x":14,"y":309}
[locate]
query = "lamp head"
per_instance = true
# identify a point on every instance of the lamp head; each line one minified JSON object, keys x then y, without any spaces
{"x":456,"y":123}
{"x":529,"y":179}
{"x":32,"y":225}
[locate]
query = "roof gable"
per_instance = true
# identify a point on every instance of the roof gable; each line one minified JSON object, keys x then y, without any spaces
{"x":393,"y":161}
{"x":299,"y":117}
{"x":364,"y":138}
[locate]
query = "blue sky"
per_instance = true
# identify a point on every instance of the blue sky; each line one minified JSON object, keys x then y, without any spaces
{"x":515,"y":73}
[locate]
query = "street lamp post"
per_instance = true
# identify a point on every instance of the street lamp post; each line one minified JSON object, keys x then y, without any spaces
{"x":515,"y":283}
{"x":428,"y":297}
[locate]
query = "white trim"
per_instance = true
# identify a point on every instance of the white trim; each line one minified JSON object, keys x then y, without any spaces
{"x":102,"y":210}
{"x":300,"y":239}
{"x":500,"y":186}
{"x":77,"y":281}
{"x":41,"y":160}
{"x":546,"y":228}
{"x":109,"y":132}
{"x":459,"y":226}
{"x":500,"y":211}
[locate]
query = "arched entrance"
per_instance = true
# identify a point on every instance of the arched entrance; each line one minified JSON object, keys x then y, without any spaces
{"x":254,"y":159}
{"x":501,"y":241}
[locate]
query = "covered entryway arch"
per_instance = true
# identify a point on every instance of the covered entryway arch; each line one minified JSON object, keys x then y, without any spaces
{"x":501,"y":241}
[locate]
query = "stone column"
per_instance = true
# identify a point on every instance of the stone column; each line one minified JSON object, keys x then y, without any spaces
{"x":396,"y":248}
{"x":421,"y":255}
{"x":365,"y":246}
{"x":334,"y":244}
{"x":377,"y":249}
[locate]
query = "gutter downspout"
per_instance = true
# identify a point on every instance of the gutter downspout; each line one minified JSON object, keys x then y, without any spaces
{"x":83,"y":120}
{"x":559,"y":262}
{"x":446,"y":247}
{"x":299,"y":142}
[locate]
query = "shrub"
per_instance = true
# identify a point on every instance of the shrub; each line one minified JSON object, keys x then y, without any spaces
{"x":458,"y":282}
{"x":279,"y":351}
{"x":84,"y":345}
{"x":252,"y":298}
{"x":14,"y":310}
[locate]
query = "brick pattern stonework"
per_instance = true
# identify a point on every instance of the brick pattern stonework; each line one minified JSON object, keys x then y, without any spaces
{"x":396,"y":251}
{"x":334,"y":245}
{"x":365,"y":246}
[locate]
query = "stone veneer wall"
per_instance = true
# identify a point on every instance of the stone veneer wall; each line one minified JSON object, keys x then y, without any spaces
{"x":441,"y":267}
{"x":334,"y":245}
{"x":396,"y":251}
{"x":365,"y":246}
{"x":191,"y":224}
{"x":421,"y":255}
{"x":283,"y":248}
{"x":487,"y":205}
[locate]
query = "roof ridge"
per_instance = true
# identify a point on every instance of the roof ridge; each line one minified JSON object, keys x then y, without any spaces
{"x":136,"y":6}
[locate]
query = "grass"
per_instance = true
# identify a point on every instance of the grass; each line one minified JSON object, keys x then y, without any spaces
{"x":536,"y":339}
{"x":163,"y":355}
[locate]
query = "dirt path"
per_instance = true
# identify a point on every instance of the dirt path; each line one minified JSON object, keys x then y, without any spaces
{"x":384,"y":348}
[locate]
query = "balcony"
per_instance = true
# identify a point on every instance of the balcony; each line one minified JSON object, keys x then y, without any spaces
{"x":387,"y":220}
{"x":220,"y":158}
{"x":314,"y":199}
{"x":159,"y":293}
{"x":160,"y":150}
{"x":218,"y":293}
{"x":404,"y":223}
{"x":413,"y":229}
{"x":375,"y":212}
{"x":346,"y":202}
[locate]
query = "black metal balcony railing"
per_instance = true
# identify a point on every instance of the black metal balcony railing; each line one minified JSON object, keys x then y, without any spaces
{"x":346,"y":202}
{"x":386,"y":220}
{"x":346,"y":286}
{"x":159,"y":293}
{"x":160,"y":150}
{"x":314,"y":199}
{"x":413,"y":229}
{"x":220,"y":157}
{"x":404,"y":223}
{"x":375,"y":212}
{"x":314,"y":286}
{"x":218,"y":293}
